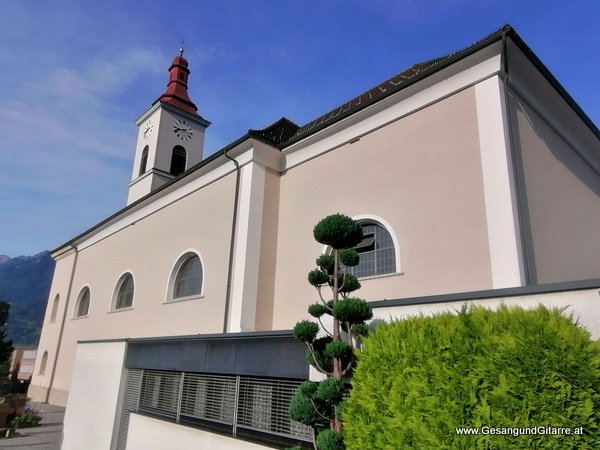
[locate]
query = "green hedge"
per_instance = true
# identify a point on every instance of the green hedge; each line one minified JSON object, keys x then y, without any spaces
{"x":419,"y":379}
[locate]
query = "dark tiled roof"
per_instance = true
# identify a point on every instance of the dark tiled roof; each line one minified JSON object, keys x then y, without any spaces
{"x":278,"y":132}
{"x":385,"y":89}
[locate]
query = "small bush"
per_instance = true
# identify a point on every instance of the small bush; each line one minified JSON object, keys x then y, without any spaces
{"x":30,"y":418}
{"x":419,"y":379}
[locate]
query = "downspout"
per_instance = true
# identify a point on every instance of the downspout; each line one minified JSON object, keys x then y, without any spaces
{"x":505,"y":76}
{"x":62,"y":324}
{"x":232,"y":241}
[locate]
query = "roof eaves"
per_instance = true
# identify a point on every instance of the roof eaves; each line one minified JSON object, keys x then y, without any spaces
{"x":537,"y":62}
{"x":437,"y":64}
{"x":72,"y":242}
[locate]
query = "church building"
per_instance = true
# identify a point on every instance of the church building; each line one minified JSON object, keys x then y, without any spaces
{"x":475,"y":176}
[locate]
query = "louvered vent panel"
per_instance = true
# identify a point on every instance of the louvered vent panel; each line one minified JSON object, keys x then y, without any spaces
{"x":263,"y":406}
{"x":160,"y":393}
{"x":209,"y":397}
{"x":131,"y":396}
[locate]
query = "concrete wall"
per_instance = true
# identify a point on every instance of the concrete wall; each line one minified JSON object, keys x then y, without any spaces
{"x":94,"y":398}
{"x":146,"y":433}
{"x":583,"y":304}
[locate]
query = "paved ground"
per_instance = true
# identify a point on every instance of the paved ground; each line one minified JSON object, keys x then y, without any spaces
{"x":45,"y":437}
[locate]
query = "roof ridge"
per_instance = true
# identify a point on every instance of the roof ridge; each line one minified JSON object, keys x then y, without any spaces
{"x":384,"y":89}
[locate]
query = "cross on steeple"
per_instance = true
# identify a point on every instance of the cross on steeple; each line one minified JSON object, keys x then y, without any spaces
{"x":181,"y":49}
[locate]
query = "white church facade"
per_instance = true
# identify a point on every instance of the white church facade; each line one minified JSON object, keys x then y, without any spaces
{"x":476,"y":178}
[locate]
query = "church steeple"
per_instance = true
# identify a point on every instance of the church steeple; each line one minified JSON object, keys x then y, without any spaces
{"x":170,"y":137}
{"x":176,"y":93}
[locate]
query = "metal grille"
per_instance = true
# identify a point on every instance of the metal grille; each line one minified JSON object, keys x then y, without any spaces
{"x":258,"y":404}
{"x":209,"y":397}
{"x":131,"y":396}
{"x":263,"y":406}
{"x":160,"y":392}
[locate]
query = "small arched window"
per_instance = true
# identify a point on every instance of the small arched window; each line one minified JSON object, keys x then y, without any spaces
{"x":54,"y":309}
{"x":124,"y":292}
{"x":178,"y":160}
{"x":186,"y":279}
{"x":82,"y":307}
{"x":43,"y":363}
{"x":376,"y":250}
{"x":144,"y":161}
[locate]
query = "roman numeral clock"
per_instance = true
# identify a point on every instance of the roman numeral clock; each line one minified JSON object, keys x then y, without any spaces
{"x":182,"y":130}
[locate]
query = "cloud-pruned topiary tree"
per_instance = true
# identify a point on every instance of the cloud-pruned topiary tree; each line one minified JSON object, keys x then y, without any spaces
{"x":318,"y":404}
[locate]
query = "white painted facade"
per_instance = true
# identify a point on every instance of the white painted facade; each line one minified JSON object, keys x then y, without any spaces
{"x":146,"y":433}
{"x":450,"y":165}
{"x":92,"y":409}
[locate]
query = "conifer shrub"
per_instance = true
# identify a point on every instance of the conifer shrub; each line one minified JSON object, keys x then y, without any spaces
{"x":419,"y":379}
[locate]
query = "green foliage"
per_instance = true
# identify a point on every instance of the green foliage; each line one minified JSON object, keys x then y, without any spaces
{"x":349,"y":257}
{"x":352,"y":310}
{"x":30,"y":418}
{"x":6,"y":347}
{"x":330,"y":440}
{"x":318,"y":404}
{"x":317,"y":310}
{"x":306,"y":331}
{"x":322,"y":360}
{"x":509,"y":368}
{"x":25,"y":284}
{"x":330,"y":392}
{"x":301,"y":410}
{"x":338,"y":231}
{"x":360,"y":329}
{"x":348,"y":283}
{"x":338,"y":349}
{"x":308,"y":388}
{"x":326,"y":262}
{"x":317,"y":277}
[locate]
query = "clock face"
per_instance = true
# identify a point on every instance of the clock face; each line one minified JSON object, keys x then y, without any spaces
{"x":182,"y":130}
{"x":148,"y":129}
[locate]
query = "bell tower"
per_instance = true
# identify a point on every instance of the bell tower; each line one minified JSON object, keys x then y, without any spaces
{"x":170,"y":135}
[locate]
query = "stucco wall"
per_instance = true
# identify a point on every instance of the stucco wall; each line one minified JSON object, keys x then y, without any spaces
{"x":561,"y":200}
{"x":146,"y":433}
{"x":148,"y":249}
{"x":92,"y":407}
{"x":422,"y":174}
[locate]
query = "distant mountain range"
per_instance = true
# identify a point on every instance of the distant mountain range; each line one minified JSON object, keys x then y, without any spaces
{"x":25,"y":284}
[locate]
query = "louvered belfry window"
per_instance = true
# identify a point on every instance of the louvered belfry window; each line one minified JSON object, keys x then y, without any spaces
{"x":178,"y":160}
{"x":234,"y":404}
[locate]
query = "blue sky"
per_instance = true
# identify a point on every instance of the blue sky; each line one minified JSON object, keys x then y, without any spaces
{"x":74,"y":75}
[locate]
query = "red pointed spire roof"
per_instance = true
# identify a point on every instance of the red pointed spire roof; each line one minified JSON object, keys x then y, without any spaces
{"x":176,"y":93}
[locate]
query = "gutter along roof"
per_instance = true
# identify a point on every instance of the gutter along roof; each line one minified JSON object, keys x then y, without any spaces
{"x":284,"y":133}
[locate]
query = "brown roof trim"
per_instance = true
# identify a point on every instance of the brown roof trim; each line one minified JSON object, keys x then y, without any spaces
{"x":276,"y":132}
{"x":422,"y":70}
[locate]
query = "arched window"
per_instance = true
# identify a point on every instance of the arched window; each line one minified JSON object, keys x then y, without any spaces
{"x":54,"y":309}
{"x":178,"y":160}
{"x":144,"y":161}
{"x":124,"y":292}
{"x":82,"y":307}
{"x":43,"y":363}
{"x":186,"y":278}
{"x":376,"y":250}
